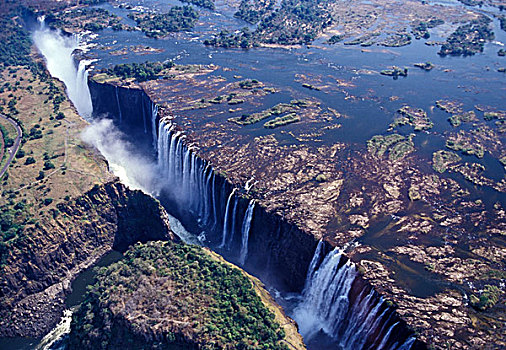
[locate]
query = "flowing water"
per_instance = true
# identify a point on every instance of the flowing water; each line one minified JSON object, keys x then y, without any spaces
{"x":58,"y":51}
{"x":325,"y":303}
{"x":246,"y":226}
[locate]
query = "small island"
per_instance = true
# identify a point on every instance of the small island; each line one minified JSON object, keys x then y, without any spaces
{"x":395,"y":72}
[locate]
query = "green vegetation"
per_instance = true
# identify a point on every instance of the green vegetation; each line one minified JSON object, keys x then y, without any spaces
{"x":252,"y":11}
{"x":449,"y":106}
{"x":15,"y":42}
{"x":310,"y":87}
{"x":250,"y":84}
{"x":244,"y":39}
{"x":92,"y":19}
{"x":277,"y":110}
{"x":421,"y":29}
{"x":365,"y":40}
{"x":13,"y":218}
{"x":163,"y":294}
{"x":281,"y":121}
{"x":208,"y":4}
{"x":427,"y":66}
{"x":441,"y":160}
{"x":416,"y":117}
{"x":468,"y":39}
{"x":334,"y":39}
{"x":295,"y":22}
{"x":466,"y":146}
{"x":378,"y":144}
{"x":397,"y":146}
{"x":159,"y":25}
{"x":457,"y":119}
{"x":139,"y":71}
{"x":8,"y":140}
{"x":401,"y":149}
{"x":395,"y":72}
{"x":396,"y":40}
{"x":487,"y":299}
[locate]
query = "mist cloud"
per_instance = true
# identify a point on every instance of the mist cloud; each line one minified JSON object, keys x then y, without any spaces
{"x":133,"y":169}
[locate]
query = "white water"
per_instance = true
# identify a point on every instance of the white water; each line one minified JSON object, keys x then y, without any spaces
{"x":154,"y":115}
{"x":177,"y":227}
{"x":118,"y":104}
{"x":61,"y":329}
{"x":132,"y":169}
{"x":246,"y":225}
{"x":325,"y":306}
{"x":387,"y":336}
{"x":325,"y":296}
{"x":225,"y":221}
{"x":58,"y":51}
{"x":190,"y":181}
{"x":325,"y":303}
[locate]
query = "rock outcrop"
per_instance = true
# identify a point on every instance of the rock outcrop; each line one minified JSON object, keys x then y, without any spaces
{"x":38,"y":271}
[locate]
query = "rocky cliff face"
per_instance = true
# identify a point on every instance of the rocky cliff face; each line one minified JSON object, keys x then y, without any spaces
{"x":38,"y":271}
{"x":269,"y":245}
{"x":131,"y":108}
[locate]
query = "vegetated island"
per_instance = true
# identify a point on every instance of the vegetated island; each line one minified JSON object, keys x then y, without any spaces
{"x":156,"y":25}
{"x":165,"y":294}
{"x":300,"y":22}
{"x":468,"y":39}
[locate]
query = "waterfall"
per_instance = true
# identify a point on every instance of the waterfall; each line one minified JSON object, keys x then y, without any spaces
{"x":190,"y":181}
{"x":325,"y":305}
{"x":57,"y":333}
{"x":387,"y":336}
{"x":213,"y":200}
{"x":408,"y":344}
{"x":145,"y":123}
{"x":325,"y":297}
{"x":118,"y":104}
{"x":154,"y":115}
{"x":332,"y":301}
{"x":225,"y":220}
{"x":232,"y":229}
{"x":58,"y":52}
{"x":246,"y":225}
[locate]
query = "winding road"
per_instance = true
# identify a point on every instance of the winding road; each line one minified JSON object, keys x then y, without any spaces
{"x":16,"y":145}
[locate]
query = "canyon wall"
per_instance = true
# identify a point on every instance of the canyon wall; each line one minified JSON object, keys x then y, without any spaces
{"x":334,"y":297}
{"x":38,"y":271}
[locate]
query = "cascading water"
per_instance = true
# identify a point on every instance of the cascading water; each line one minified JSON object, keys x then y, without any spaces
{"x":61,"y":329}
{"x":118,"y":104}
{"x":154,"y":115}
{"x":188,"y":180}
{"x":325,"y":306}
{"x":193,"y":185}
{"x":246,"y":226}
{"x":58,"y":52}
{"x":325,"y":295}
{"x":225,"y":222}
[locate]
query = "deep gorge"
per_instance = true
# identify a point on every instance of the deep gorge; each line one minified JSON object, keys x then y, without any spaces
{"x":332,"y":296}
